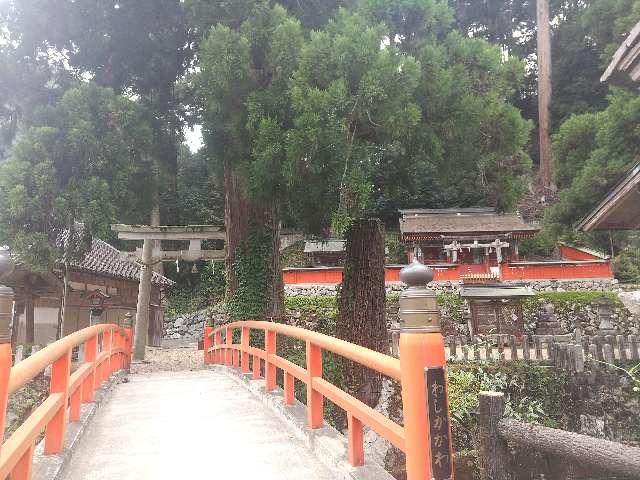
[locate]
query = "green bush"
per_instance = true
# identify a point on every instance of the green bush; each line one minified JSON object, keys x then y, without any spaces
{"x":533,"y":394}
{"x":626,"y":265}
{"x":209,"y":289}
{"x":584,"y":298}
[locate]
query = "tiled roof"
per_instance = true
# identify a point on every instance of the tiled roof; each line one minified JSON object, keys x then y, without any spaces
{"x":104,"y":259}
{"x":463,"y":221}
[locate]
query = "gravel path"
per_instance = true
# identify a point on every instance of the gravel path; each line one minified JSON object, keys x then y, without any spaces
{"x":173,"y":357}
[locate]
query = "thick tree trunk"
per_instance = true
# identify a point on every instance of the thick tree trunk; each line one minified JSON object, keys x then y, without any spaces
{"x":239,"y":214}
{"x":361,"y":305}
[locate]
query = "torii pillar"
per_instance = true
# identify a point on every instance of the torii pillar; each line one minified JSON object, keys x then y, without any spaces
{"x":149,"y":234}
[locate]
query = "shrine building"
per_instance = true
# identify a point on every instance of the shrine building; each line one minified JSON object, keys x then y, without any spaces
{"x":478,"y":238}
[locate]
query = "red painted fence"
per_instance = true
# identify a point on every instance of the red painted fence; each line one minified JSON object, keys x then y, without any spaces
{"x":564,"y":269}
{"x":561,"y":270}
{"x":67,"y":391}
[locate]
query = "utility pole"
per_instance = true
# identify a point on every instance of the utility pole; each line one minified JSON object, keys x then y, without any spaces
{"x":544,"y":95}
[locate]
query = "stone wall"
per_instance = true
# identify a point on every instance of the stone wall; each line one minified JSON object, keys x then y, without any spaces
{"x":190,"y":326}
{"x":453,"y":287}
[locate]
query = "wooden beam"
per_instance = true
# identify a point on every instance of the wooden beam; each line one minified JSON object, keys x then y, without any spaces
{"x":173,"y":255}
{"x":163,"y":232}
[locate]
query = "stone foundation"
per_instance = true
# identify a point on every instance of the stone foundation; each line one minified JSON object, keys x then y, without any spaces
{"x":578,"y":285}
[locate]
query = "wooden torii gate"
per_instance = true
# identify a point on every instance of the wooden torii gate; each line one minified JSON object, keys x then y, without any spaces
{"x":150,"y":234}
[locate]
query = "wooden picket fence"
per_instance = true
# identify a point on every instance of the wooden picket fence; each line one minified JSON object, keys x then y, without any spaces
{"x":569,"y":352}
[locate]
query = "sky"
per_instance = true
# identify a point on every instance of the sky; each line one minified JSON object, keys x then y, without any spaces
{"x":193,"y":138}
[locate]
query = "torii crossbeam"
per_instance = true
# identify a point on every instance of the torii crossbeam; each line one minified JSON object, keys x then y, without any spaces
{"x":149,"y":234}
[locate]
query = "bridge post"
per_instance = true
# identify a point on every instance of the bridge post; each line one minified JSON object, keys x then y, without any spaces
{"x":269,"y":368}
{"x":107,"y":345}
{"x":88,"y":386}
{"x":54,"y":437}
{"x":244,"y":353}
{"x":217,"y":341}
{"x":315,"y":400}
{"x":424,"y":389}
{"x":228,"y":352}
{"x":5,"y":362}
{"x":207,"y":344}
{"x":255,"y":367}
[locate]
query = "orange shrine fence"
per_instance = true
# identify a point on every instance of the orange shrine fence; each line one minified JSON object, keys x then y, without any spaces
{"x":107,"y":349}
{"x":418,"y":353}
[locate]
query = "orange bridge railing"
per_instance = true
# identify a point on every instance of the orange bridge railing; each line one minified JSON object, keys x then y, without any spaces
{"x":416,"y":354}
{"x":107,"y":349}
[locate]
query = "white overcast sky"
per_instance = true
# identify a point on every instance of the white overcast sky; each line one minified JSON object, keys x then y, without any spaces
{"x":193,"y":138}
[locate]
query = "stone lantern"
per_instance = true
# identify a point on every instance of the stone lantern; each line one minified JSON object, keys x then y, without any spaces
{"x":605,"y":314}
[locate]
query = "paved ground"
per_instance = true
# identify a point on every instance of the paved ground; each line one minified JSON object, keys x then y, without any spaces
{"x":188,"y":424}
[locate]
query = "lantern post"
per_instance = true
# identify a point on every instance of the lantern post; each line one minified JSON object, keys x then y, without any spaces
{"x":427,"y":422}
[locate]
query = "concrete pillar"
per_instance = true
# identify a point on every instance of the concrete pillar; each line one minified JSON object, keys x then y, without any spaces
{"x":144,"y":293}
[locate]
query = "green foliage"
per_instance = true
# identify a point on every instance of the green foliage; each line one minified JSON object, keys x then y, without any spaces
{"x":533,"y":394}
{"x":253,"y":271}
{"x":323,"y":309}
{"x":243,"y":90}
{"x":592,"y":166}
{"x":192,"y":294}
{"x":396,"y":250}
{"x":626,"y":265}
{"x":585,"y":298}
{"x":199,"y":195}
{"x":82,"y":160}
{"x":139,"y":48}
{"x":294,"y":256}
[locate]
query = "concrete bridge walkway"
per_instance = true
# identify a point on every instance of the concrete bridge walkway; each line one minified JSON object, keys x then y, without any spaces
{"x":188,"y":424}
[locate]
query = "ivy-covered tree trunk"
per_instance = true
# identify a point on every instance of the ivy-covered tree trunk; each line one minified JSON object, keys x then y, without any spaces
{"x":361,"y":305}
{"x":254,"y":274}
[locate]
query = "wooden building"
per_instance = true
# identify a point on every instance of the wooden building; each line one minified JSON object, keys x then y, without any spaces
{"x":101,"y":287}
{"x":478,"y":237}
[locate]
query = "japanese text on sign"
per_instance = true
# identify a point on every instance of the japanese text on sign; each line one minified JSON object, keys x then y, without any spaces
{"x":441,"y":462}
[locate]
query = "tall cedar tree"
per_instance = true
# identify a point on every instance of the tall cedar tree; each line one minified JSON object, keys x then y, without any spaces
{"x":387,"y":100}
{"x":243,"y":85}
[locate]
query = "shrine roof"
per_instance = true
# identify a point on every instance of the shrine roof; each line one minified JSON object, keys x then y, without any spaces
{"x":432,"y":224}
{"x":104,"y":259}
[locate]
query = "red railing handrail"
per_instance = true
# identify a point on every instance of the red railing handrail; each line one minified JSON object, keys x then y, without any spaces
{"x":67,"y":391}
{"x":26,"y":370}
{"x":385,"y":364}
{"x":358,"y":413}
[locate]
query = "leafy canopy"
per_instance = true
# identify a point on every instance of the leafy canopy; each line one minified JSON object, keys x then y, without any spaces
{"x":82,"y":160}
